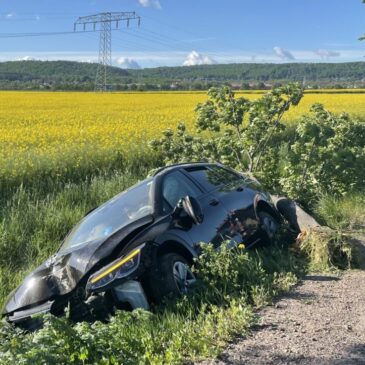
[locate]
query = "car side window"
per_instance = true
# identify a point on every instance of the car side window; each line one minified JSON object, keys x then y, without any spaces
{"x":176,"y":186}
{"x":212,"y":176}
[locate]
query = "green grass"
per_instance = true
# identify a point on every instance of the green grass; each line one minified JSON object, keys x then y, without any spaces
{"x":347,"y":212}
{"x":329,"y":250}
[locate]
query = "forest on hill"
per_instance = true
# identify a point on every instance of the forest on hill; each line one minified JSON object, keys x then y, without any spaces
{"x":69,"y":75}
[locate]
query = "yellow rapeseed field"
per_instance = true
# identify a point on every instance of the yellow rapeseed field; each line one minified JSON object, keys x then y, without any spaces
{"x":57,"y":131}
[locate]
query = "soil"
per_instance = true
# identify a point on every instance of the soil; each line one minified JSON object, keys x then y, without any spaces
{"x":322,"y":321}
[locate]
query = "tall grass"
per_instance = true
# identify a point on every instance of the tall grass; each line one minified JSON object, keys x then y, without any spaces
{"x":50,"y":176}
{"x":347,"y":212}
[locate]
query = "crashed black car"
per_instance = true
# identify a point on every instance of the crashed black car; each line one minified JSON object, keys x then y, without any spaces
{"x":138,"y":247}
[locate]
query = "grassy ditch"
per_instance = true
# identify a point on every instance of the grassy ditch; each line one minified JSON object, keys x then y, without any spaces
{"x":232,"y":284}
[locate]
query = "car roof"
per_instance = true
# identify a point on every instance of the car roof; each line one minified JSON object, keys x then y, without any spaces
{"x":177,"y":166}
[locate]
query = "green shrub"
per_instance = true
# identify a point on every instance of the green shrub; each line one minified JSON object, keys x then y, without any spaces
{"x":328,"y":155}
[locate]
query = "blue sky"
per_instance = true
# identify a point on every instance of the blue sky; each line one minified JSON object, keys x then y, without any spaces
{"x":176,"y":32}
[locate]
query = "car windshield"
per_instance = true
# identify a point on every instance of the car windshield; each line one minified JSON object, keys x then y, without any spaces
{"x":126,"y":207}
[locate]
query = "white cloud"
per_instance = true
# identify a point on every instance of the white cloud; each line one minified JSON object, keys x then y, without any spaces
{"x":37,"y":18}
{"x":283,"y":54}
{"x":10,"y":15}
{"x":27,"y":58}
{"x":176,"y":58}
{"x":194,"y":58}
{"x":125,"y":62}
{"x":150,"y":3}
{"x":324,"y":53}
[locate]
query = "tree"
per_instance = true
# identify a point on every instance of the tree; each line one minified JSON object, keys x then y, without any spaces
{"x":236,"y":131}
{"x":325,"y":152}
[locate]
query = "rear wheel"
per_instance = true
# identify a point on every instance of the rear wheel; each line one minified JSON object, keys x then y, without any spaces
{"x":269,"y":225}
{"x":173,"y":277}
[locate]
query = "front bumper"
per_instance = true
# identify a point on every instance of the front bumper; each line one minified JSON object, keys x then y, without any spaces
{"x":27,"y":313}
{"x":132,"y":292}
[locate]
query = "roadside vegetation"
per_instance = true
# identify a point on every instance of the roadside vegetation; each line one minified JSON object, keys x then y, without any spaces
{"x":317,"y":160}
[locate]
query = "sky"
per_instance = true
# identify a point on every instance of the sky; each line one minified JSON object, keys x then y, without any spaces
{"x":188,"y":32}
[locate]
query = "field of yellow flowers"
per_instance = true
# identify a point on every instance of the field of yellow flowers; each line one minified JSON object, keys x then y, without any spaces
{"x":56,"y":132}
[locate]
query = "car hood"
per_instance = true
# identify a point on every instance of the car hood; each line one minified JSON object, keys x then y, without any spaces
{"x":61,"y":273}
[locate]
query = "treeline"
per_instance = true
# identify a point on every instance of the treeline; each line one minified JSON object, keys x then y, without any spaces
{"x":68,"y":75}
{"x":265,"y":72}
{"x":58,"y":75}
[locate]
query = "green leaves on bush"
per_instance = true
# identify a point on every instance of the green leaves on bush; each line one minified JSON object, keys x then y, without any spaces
{"x":235,"y":131}
{"x":328,"y":155}
{"x":325,"y":152}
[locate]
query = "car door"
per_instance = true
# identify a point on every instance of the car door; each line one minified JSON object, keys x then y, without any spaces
{"x":232,"y":191}
{"x":213,"y":229}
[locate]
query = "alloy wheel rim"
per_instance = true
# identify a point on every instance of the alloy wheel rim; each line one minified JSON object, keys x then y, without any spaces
{"x":184,"y":278}
{"x":269,"y":225}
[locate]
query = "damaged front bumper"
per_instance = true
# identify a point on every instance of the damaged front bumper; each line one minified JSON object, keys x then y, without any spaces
{"x":132,"y":292}
{"x":21,"y":315}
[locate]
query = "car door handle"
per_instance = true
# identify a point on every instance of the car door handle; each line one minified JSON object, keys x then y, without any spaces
{"x":214,"y":202}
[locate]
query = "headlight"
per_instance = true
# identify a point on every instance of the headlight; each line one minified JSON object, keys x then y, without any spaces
{"x":118,"y":269}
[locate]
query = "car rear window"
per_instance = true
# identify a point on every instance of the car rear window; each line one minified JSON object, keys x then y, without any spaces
{"x":211,"y":177}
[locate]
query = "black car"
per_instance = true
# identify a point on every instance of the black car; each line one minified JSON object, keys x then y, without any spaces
{"x":138,"y":247}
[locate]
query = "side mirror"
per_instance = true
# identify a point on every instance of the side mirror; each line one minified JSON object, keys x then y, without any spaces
{"x":191,"y":207}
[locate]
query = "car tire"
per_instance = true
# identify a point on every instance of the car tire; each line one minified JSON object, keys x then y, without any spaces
{"x":269,"y":225}
{"x":172,"y":278}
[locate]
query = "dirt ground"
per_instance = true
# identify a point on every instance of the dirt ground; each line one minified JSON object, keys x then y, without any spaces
{"x":322,"y":321}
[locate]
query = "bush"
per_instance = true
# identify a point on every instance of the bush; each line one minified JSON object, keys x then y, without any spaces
{"x":328,"y":155}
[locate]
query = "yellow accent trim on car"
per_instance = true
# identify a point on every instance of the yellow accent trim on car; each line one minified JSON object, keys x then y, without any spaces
{"x":119,"y":264}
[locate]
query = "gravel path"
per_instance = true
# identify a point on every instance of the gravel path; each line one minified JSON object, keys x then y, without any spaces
{"x":322,"y":321}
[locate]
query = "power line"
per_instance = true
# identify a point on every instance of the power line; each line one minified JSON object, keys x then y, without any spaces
{"x":105,"y":21}
{"x":41,"y":34}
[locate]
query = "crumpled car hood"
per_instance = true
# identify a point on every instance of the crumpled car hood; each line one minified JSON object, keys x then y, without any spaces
{"x":61,"y":273}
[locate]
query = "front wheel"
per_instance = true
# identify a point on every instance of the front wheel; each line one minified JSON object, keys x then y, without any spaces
{"x":269,"y":225}
{"x":172,"y":278}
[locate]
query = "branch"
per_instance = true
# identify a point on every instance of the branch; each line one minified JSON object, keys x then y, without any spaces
{"x":269,"y":135}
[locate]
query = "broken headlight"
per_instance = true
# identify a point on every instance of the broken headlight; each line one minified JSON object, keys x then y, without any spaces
{"x":118,"y":269}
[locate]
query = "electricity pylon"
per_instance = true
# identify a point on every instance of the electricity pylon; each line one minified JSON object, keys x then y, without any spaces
{"x":103,"y":23}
